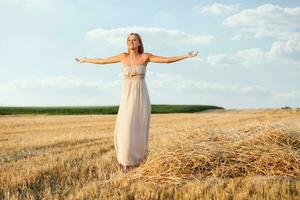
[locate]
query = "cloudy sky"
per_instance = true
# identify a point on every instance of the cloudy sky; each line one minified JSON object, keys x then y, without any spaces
{"x":249,"y":53}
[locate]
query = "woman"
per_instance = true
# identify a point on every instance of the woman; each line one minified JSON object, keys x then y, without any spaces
{"x":132,"y":123}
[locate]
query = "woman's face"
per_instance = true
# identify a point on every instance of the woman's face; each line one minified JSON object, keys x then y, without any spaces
{"x":133,"y":42}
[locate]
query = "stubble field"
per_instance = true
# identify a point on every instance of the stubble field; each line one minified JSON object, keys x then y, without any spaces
{"x":222,"y":154}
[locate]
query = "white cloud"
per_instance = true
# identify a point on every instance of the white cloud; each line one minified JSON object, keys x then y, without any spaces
{"x":289,"y":49}
{"x":56,"y":83}
{"x":72,"y":90}
{"x":288,"y":96}
{"x":246,"y":95}
{"x":178,"y":83}
{"x":284,"y":52}
{"x":59,"y":91}
{"x":217,"y":59}
{"x":250,"y":56}
{"x":154,"y":36}
{"x":266,"y":20}
{"x":216,"y":8}
{"x":245,"y":58}
{"x":156,"y":81}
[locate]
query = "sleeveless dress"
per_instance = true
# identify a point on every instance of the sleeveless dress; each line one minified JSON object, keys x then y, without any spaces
{"x":131,"y":131}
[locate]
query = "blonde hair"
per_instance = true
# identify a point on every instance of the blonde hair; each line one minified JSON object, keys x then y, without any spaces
{"x":141,"y":47}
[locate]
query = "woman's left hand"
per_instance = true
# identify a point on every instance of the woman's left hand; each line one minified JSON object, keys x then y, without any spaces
{"x":192,"y":54}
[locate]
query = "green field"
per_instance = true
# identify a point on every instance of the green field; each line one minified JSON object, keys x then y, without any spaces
{"x":81,"y":110}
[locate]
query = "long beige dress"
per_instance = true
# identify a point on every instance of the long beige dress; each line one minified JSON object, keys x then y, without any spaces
{"x":131,"y":131}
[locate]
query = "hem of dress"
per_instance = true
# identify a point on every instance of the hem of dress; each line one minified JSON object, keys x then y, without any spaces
{"x":135,"y":164}
{"x":129,"y":164}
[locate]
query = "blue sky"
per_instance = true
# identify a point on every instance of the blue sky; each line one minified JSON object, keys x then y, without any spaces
{"x":249,"y":52}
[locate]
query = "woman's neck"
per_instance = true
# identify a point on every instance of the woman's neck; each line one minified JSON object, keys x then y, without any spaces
{"x":133,"y":52}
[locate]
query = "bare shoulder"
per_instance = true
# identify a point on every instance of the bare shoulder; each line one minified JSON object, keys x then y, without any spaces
{"x":147,"y":55}
{"x":123,"y":54}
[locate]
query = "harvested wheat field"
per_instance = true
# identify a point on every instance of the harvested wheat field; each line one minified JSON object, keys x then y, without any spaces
{"x":222,"y":154}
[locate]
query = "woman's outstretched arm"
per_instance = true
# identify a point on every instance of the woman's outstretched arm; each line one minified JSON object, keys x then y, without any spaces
{"x":161,"y":59}
{"x":108,"y":60}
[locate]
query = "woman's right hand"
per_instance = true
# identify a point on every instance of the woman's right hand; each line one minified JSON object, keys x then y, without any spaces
{"x":81,"y":60}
